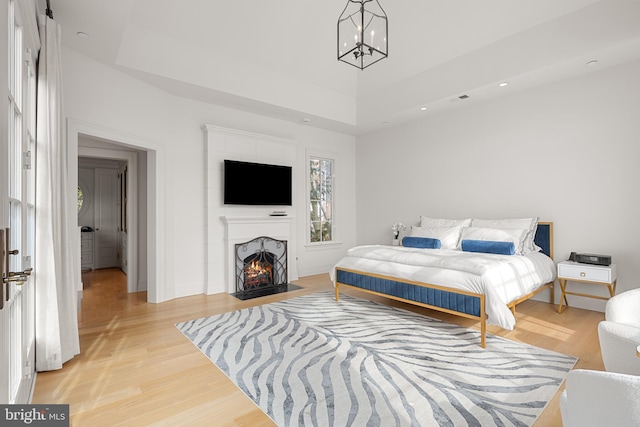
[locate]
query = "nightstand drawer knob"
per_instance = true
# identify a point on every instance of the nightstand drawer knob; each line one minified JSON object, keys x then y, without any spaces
{"x":582,"y":274}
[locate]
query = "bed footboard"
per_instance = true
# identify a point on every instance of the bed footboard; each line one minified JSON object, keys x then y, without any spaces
{"x":452,"y":301}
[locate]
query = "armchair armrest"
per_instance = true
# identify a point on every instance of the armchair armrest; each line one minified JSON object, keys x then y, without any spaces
{"x":617,"y":344}
{"x":623,"y":308}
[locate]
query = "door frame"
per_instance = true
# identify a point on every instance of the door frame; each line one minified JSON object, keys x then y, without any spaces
{"x":156,"y":234}
{"x":131,"y":158}
{"x":24,"y":13}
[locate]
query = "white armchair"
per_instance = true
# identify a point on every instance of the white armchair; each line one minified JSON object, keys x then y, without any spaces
{"x":596,"y":398}
{"x":619,"y":333}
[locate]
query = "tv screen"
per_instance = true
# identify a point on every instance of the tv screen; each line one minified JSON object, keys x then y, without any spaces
{"x":256,"y":184}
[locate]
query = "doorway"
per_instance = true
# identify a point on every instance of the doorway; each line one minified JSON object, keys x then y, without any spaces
{"x":101,"y":166}
{"x":149,"y":224}
{"x":103,"y":204}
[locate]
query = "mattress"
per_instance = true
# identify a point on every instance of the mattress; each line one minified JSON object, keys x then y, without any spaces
{"x":501,"y":278}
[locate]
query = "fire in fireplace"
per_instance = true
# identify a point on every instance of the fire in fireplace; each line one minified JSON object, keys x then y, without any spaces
{"x":261,"y":264}
{"x":258,"y":273}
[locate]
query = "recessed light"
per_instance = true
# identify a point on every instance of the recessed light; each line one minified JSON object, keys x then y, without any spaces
{"x":423,"y":108}
{"x":591,"y":63}
{"x":503,"y":84}
{"x":82,"y":35}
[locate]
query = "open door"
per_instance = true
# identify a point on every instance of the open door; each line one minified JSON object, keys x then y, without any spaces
{"x":107,"y":218}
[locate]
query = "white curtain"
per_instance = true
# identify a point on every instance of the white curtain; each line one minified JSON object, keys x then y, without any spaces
{"x":57,"y":273}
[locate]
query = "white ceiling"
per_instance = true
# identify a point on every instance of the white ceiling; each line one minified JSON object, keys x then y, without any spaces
{"x":279,"y":57}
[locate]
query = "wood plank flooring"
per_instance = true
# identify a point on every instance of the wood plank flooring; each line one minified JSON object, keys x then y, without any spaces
{"x":136,"y":368}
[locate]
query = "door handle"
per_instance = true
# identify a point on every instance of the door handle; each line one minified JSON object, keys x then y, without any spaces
{"x":18,"y":280}
{"x":8,"y":277}
{"x":26,"y":272}
{"x":17,"y":277}
{"x":3,"y":268}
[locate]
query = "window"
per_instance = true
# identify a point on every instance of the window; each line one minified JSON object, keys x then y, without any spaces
{"x":80,"y":199}
{"x":84,"y":199}
{"x":321,"y":192}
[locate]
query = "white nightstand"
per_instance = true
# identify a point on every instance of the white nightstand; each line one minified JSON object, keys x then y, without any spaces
{"x":605,"y":275}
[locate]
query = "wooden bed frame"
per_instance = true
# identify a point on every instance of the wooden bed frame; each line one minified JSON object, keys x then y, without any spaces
{"x":453,"y":301}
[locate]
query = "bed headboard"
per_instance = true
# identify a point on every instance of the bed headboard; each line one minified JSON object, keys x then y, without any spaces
{"x":544,"y":237}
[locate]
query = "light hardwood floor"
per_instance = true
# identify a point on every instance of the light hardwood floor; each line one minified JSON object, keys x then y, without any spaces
{"x":136,"y":368}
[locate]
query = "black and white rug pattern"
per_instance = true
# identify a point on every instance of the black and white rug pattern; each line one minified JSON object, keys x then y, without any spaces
{"x":312,"y":361}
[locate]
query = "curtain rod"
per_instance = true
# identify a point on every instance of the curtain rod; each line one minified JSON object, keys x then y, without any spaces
{"x":49,"y":11}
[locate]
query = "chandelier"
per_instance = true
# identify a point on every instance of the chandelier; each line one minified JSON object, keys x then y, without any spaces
{"x":362,"y":33}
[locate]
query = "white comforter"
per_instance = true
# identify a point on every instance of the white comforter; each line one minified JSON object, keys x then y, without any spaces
{"x":501,"y":278}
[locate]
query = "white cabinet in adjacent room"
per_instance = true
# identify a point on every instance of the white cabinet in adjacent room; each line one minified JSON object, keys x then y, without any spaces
{"x":86,"y":249}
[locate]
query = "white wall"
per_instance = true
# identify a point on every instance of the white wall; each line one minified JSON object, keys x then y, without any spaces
{"x":567,"y":152}
{"x":107,"y":98}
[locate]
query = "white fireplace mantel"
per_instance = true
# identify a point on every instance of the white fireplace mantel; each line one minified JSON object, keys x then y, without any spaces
{"x":244,"y":228}
{"x":249,"y":227}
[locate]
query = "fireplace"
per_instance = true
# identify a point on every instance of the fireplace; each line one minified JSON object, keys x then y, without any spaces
{"x":241,"y":230}
{"x":260,"y":266}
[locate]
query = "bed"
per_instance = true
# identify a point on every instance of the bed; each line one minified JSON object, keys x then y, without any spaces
{"x":477,"y":284}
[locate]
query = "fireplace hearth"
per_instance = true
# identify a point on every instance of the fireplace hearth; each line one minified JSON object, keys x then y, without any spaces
{"x":261,"y":268}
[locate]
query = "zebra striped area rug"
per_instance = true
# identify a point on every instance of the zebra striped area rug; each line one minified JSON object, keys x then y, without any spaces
{"x":312,"y":361}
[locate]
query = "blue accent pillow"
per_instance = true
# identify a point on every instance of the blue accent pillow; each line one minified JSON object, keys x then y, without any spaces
{"x":421,"y":242}
{"x":489,"y":247}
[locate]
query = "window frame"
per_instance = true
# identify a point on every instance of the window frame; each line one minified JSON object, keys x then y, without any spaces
{"x":335,"y":238}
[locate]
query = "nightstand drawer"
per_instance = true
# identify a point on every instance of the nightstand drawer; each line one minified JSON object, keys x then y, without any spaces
{"x":592,"y":273}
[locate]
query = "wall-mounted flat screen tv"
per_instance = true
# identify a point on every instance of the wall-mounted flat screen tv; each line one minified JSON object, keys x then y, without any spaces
{"x":256,"y":184}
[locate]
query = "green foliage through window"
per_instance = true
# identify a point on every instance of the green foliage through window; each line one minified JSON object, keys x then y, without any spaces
{"x":321,"y":199}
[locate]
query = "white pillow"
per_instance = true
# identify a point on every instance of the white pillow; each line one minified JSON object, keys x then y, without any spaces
{"x":448,"y":236}
{"x":515,"y":235}
{"x":438,"y":222}
{"x":529,"y":224}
